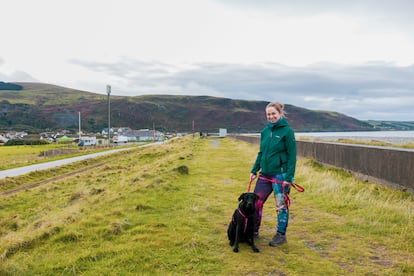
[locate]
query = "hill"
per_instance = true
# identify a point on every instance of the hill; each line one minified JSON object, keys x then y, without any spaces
{"x":392,"y":125}
{"x":41,"y":106}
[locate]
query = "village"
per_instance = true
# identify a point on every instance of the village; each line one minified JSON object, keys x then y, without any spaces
{"x":105,"y":137}
{"x":119,"y":135}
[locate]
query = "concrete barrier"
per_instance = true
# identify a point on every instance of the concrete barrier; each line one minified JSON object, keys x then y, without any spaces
{"x":390,"y":166}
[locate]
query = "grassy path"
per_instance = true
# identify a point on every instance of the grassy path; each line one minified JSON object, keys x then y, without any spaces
{"x":165,"y":211}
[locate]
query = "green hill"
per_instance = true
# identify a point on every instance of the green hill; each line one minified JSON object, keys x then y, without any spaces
{"x":41,"y":106}
{"x":392,"y":125}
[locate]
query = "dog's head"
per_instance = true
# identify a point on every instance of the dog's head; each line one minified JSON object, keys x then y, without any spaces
{"x":247,"y":201}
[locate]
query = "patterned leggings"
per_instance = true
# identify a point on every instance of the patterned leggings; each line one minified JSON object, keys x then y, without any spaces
{"x":263,"y":189}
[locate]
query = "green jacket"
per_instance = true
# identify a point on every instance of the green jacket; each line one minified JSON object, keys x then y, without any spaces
{"x":277,"y":152}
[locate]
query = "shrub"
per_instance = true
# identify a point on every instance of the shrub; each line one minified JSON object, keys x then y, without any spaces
{"x":19,"y":142}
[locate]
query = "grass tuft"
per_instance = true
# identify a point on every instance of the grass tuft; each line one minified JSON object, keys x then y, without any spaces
{"x":182,"y":169}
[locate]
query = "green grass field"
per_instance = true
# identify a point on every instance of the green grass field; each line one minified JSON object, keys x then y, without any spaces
{"x":164,"y":210}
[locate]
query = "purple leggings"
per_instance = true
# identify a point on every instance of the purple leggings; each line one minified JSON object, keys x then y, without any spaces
{"x":263,"y":189}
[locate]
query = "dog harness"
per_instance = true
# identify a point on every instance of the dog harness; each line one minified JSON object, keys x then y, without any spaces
{"x":245,"y":219}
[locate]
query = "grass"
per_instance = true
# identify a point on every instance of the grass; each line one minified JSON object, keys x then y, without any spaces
{"x":164,"y":211}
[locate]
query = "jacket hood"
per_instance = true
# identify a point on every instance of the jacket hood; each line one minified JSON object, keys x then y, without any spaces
{"x":281,"y":122}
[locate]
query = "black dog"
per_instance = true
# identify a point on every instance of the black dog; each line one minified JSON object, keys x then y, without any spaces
{"x":241,"y":227}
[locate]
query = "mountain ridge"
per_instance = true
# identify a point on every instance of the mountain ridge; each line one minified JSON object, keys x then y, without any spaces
{"x":40,"y":106}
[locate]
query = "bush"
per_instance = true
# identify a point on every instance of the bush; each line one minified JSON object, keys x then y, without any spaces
{"x":19,"y":142}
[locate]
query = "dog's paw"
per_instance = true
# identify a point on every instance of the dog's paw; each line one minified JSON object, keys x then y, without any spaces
{"x":256,"y":250}
{"x":236,"y":249}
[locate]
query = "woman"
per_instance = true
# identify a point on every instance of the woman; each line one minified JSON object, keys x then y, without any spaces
{"x":276,"y":161}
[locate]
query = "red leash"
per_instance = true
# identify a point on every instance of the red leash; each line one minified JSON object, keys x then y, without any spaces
{"x":297,"y":187}
{"x":250,"y":185}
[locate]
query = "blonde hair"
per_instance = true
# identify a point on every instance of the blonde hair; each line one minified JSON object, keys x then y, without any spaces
{"x":280,"y":107}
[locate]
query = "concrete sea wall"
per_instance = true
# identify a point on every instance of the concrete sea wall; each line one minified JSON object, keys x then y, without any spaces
{"x":391,"y":166}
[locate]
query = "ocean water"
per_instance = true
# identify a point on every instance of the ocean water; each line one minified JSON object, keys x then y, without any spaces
{"x":394,"y":137}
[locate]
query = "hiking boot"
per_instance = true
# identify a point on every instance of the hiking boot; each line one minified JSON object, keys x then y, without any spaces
{"x":278,"y":239}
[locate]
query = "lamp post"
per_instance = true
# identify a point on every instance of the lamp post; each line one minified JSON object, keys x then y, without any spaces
{"x":108,"y":91}
{"x":79,"y":127}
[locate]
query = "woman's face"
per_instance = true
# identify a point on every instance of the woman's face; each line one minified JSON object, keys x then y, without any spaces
{"x":272,"y":114}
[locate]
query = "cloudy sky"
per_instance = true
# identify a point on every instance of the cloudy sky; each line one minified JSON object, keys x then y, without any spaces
{"x":355,"y":57}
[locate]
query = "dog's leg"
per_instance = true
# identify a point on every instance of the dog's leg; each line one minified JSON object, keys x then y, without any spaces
{"x":253,"y":246}
{"x":237,"y":238}
{"x":250,"y":240}
{"x":231,"y":233}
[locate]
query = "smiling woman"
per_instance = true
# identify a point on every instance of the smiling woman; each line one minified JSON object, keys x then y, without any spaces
{"x":276,"y":162}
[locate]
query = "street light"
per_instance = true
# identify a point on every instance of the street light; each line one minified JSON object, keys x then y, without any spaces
{"x":108,"y":91}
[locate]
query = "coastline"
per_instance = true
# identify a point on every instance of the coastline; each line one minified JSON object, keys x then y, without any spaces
{"x":394,"y":137}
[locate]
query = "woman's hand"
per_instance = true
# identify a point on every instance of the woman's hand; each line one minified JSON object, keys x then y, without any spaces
{"x":252,"y":177}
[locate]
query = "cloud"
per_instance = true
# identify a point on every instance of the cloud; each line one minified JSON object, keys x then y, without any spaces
{"x":17,"y":76}
{"x":306,"y":7}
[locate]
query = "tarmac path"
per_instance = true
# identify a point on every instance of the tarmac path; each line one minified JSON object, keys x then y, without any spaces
{"x":52,"y":164}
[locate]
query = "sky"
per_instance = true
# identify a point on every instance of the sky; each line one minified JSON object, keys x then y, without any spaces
{"x":355,"y":57}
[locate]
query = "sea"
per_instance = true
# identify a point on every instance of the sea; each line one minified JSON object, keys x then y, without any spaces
{"x":393,"y":137}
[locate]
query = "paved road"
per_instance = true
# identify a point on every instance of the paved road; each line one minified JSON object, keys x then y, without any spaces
{"x":48,"y":165}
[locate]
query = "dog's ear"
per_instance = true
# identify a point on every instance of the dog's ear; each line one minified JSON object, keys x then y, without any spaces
{"x":241,"y":196}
